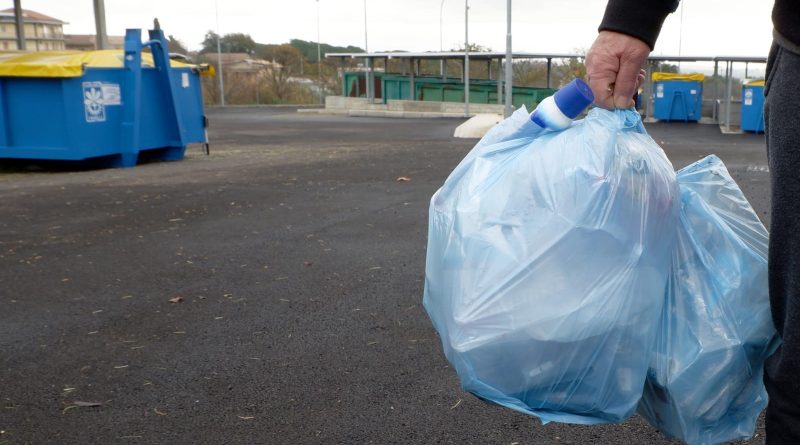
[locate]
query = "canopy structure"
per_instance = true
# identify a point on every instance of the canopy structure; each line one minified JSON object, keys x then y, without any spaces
{"x":723,"y":100}
{"x":71,"y":63}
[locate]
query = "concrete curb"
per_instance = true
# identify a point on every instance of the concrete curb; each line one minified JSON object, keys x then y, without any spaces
{"x":384,"y":113}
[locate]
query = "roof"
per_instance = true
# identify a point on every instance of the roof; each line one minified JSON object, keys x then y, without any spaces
{"x":525,"y":55}
{"x":227,"y":57}
{"x":78,"y":41}
{"x":31,"y":16}
{"x":452,"y":55}
{"x":753,"y":59}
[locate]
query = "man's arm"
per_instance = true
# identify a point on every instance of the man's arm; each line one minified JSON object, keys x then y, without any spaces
{"x":628,"y":33}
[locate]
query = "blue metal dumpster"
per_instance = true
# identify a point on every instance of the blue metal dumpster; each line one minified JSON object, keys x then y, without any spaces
{"x":102,"y":104}
{"x":677,"y":97}
{"x":753,"y":106}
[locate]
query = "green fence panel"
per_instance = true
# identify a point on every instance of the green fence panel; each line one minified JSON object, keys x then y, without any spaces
{"x":438,"y":89}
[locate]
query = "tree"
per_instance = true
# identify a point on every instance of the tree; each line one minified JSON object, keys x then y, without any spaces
{"x":666,"y":67}
{"x":176,"y":46}
{"x":474,"y":48}
{"x":209,"y":44}
{"x":286,"y":61}
{"x":309,"y":49}
{"x":230,"y":43}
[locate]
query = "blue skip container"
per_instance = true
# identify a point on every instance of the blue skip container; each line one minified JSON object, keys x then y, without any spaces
{"x":678,"y":97}
{"x":753,"y":106}
{"x":73,"y":105}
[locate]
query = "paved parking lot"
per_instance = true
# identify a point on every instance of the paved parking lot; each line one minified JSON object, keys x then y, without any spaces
{"x":269,"y":293}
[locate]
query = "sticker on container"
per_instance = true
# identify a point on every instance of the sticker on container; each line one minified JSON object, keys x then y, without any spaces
{"x":692,"y":91}
{"x":748,"y":97}
{"x":111,"y":94}
{"x":93,"y":103}
{"x":185,"y":80}
{"x":660,"y":90}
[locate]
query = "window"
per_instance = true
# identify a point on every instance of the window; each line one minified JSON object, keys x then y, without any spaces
{"x":5,"y":45}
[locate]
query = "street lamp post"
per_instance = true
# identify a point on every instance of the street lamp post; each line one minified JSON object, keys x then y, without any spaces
{"x":509,"y":63}
{"x":319,"y":60}
{"x":368,"y":64}
{"x":466,"y":58}
{"x":219,"y":59}
{"x":441,"y":15}
{"x":441,"y":39}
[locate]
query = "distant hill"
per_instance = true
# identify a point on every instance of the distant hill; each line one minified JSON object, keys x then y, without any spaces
{"x":309,"y":49}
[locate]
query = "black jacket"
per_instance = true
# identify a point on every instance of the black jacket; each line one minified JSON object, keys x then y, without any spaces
{"x":643,"y":18}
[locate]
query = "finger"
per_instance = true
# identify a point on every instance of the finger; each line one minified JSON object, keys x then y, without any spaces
{"x":625,"y":84}
{"x":640,"y":80}
{"x":602,"y":88}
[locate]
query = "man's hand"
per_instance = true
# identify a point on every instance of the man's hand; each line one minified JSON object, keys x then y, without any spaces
{"x":614,"y":69}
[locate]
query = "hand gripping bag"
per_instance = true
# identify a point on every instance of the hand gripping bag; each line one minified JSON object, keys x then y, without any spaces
{"x":547,"y":262}
{"x":705,"y":382}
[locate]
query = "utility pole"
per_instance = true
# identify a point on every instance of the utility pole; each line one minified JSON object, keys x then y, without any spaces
{"x":101,"y":37}
{"x":20,"y":25}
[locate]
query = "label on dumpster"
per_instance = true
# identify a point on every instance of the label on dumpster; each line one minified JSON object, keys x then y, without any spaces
{"x":660,"y":90}
{"x":692,"y":91}
{"x":98,"y":95}
{"x":748,"y":97}
{"x":93,"y":104}
{"x":185,"y":80}
{"x":111,"y":94}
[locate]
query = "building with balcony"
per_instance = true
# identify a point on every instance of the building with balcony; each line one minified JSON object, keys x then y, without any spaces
{"x":42,"y":32}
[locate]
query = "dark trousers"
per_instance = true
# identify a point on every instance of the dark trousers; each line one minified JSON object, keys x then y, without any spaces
{"x":782,"y":120}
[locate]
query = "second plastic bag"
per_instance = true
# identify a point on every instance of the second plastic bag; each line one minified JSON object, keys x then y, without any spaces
{"x":705,"y":382}
{"x":546,"y":265}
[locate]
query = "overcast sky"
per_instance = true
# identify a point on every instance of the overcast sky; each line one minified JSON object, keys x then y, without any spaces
{"x":710,"y":27}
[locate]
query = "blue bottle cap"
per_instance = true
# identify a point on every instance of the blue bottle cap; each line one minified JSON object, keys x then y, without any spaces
{"x":574,"y":98}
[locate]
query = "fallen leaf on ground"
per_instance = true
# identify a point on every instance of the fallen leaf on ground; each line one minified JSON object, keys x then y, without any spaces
{"x":177,"y":299}
{"x":86,"y":404}
{"x":307,"y":263}
{"x":403,"y":179}
{"x":246,"y":417}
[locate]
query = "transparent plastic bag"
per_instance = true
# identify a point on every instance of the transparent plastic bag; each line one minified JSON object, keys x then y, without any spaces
{"x":546,"y":266}
{"x":705,"y":382}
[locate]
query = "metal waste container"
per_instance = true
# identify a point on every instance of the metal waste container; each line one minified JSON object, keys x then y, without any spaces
{"x":677,"y":97}
{"x":109,"y":104}
{"x":753,"y":106}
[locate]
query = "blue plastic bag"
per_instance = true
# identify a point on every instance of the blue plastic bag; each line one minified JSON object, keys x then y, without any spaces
{"x":547,"y":260}
{"x":705,"y":382}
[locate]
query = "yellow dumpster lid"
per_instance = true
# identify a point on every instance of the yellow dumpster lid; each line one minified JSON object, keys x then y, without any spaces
{"x":755,"y":83}
{"x":71,"y":63}
{"x":698,"y":77}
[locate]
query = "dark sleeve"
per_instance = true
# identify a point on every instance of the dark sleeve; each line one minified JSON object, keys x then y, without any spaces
{"x":638,"y":18}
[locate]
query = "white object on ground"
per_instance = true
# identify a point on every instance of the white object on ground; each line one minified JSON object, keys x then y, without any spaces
{"x":477,"y":126}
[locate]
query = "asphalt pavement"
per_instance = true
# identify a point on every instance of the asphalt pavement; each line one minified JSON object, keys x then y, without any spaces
{"x":269,"y":293}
